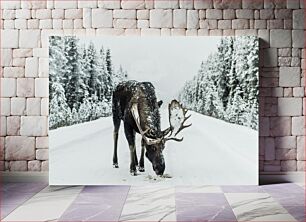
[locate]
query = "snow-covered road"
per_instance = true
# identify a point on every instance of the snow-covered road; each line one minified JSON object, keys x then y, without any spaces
{"x":213,"y":153}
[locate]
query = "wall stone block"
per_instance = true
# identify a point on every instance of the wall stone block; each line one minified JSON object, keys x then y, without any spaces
{"x":34,"y":165}
{"x":25,"y":87}
{"x":160,"y":18}
{"x":280,"y":126}
{"x":298,"y":19}
{"x":18,"y":165}
{"x":9,"y":38}
{"x":13,"y":125}
{"x":285,"y":142}
{"x":8,"y":87}
{"x":179,"y":18}
{"x":18,"y":106}
{"x":227,"y":4}
{"x":19,"y":148}
{"x":280,"y":38}
{"x":192,"y":19}
{"x":298,"y":126}
{"x":34,"y":126}
{"x":289,"y":76}
{"x":102,"y":18}
{"x":165,"y":4}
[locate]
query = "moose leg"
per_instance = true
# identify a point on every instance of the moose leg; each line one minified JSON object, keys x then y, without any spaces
{"x":141,"y":161}
{"x":116,"y":130}
{"x":130,"y":136}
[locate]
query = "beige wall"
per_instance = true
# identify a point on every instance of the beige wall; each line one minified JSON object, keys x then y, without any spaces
{"x":25,"y":26}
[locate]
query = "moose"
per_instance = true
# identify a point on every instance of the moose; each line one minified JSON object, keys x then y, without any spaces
{"x":135,"y":103}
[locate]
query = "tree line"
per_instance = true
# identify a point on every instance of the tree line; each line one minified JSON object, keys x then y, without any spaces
{"x":226,"y":86}
{"x":81,"y":81}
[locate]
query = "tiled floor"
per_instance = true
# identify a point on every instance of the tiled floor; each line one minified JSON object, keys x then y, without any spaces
{"x":39,"y":202}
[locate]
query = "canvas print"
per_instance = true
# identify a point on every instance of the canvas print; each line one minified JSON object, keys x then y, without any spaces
{"x":148,"y":110}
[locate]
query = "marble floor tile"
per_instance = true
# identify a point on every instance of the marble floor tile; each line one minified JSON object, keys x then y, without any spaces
{"x":22,"y":187}
{"x":257,"y":207}
{"x":98,"y":203}
{"x":14,"y":198}
{"x":198,"y":189}
{"x":47,"y":205}
{"x":6,"y":210}
{"x":149,"y":203}
{"x":203,"y":207}
{"x":289,"y":199}
{"x":14,"y":194}
{"x":301,"y":185}
{"x":283,"y":188}
{"x":242,"y":189}
{"x":298,"y":212}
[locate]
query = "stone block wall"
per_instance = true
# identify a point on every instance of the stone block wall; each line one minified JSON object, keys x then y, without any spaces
{"x":26,"y":25}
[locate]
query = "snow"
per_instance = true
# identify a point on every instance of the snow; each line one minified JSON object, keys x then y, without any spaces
{"x":176,"y":118}
{"x":213,"y":152}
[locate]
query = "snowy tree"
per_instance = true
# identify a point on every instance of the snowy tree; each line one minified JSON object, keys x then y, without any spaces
{"x":226,"y":86}
{"x":74,"y":85}
{"x":57,"y":61}
{"x":59,"y":110}
{"x":82,"y":79}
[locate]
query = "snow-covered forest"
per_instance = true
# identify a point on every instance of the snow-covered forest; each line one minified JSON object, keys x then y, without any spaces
{"x":81,"y":81}
{"x":226,"y":86}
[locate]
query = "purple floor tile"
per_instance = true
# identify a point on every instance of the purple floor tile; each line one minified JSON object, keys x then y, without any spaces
{"x":97,"y":198}
{"x":88,"y":212}
{"x":242,"y":189}
{"x":298,"y":212}
{"x":97,"y":203}
{"x":289,"y":199}
{"x":14,"y":198}
{"x":203,"y":207}
{"x":22,"y":187}
{"x":13,"y":195}
{"x":6,"y":210}
{"x":283,"y":188}
{"x":208,"y":213}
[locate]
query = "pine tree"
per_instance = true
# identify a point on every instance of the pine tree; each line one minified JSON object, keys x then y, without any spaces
{"x":108,"y":76}
{"x":57,"y":61}
{"x":74,"y":85}
{"x":59,"y":110}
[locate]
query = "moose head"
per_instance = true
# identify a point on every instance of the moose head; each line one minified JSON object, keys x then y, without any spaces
{"x":154,"y":142}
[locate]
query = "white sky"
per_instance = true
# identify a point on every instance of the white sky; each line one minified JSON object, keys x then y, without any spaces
{"x":165,"y":61}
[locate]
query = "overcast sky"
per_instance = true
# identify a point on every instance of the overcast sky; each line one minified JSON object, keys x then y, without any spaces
{"x":165,"y":61}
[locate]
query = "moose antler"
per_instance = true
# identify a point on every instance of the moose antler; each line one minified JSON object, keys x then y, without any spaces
{"x":177,"y":118}
{"x":135,"y":114}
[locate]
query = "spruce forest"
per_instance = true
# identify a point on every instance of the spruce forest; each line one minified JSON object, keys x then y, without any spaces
{"x":81,"y":81}
{"x":226,"y":86}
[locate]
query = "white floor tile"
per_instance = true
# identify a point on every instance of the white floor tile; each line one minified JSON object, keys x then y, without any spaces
{"x":47,"y":205}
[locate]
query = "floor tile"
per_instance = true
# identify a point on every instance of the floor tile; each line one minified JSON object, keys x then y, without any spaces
{"x":289,"y":199}
{"x":15,"y":198}
{"x":6,"y":210}
{"x":203,"y":207}
{"x":149,"y":203}
{"x":298,"y":212}
{"x":47,"y":205}
{"x":257,"y":207}
{"x":242,"y":189}
{"x":22,"y":187}
{"x":97,"y":203}
{"x":14,"y":194}
{"x":198,"y":189}
{"x":282,"y":188}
